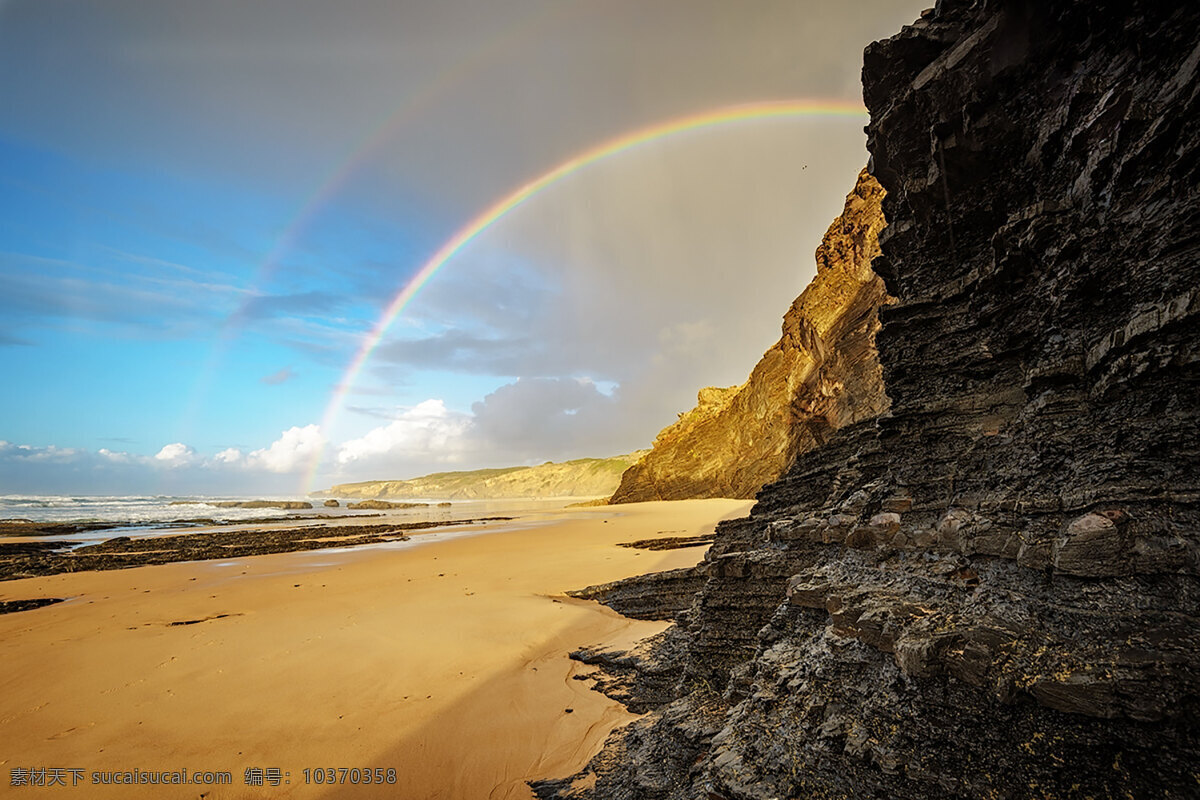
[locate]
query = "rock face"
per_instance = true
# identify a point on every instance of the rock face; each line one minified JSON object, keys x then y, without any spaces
{"x":992,"y":590}
{"x":582,"y":477}
{"x":822,"y":375}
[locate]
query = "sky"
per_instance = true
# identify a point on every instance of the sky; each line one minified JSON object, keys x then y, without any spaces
{"x":206,"y":210}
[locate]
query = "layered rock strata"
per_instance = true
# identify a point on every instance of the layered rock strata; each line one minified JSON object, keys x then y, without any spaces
{"x":660,"y":595}
{"x":821,"y":375}
{"x":992,"y":590}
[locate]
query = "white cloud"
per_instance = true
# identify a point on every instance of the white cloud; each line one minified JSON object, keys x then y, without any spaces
{"x":58,"y":455}
{"x":175,"y":454}
{"x":291,"y":452}
{"x":427,"y":431}
{"x":527,"y":421}
{"x":29,"y":454}
{"x":119,"y":457}
{"x":176,"y":467}
{"x":228,"y":456}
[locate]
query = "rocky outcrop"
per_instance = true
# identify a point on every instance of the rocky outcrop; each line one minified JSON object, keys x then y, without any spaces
{"x":993,"y":589}
{"x":659,"y":595}
{"x":382,"y":505}
{"x":29,"y":559}
{"x":287,"y":505}
{"x":13,"y":606}
{"x":643,"y":678}
{"x":582,"y":477}
{"x":822,"y":375}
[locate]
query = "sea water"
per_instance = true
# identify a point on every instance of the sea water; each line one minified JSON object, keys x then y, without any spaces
{"x":151,"y":515}
{"x":131,"y":510}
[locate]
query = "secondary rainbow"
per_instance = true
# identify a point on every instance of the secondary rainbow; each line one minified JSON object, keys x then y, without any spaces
{"x":721,"y":116}
{"x":510,"y":39}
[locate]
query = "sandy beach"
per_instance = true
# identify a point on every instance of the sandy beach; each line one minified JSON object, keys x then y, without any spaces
{"x":445,"y":662}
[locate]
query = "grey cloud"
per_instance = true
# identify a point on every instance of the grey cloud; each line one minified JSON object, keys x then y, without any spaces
{"x":374,"y":412}
{"x":281,"y":91}
{"x":548,"y":418}
{"x":281,"y":376}
{"x":30,"y":296}
{"x":662,"y":270}
{"x":527,"y":421}
{"x":665,"y":271}
{"x":458,"y":351}
{"x":267,"y":306}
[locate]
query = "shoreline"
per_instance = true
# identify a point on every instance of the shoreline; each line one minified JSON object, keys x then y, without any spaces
{"x":33,"y":548}
{"x":447,"y":662}
{"x":26,"y":559}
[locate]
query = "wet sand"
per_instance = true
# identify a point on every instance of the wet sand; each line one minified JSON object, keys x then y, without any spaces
{"x":446,"y":662}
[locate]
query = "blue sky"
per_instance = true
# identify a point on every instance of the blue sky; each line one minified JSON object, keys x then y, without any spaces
{"x":166,"y":325}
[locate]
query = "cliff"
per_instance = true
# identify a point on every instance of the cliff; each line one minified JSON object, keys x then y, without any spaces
{"x":992,"y":590}
{"x":584,"y":477}
{"x":821,"y":375}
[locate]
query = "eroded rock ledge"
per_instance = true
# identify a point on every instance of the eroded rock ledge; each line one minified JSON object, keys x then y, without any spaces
{"x":659,"y":595}
{"x":991,"y":590}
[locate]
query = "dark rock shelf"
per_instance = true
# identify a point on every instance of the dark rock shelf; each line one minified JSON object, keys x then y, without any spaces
{"x":21,"y":560}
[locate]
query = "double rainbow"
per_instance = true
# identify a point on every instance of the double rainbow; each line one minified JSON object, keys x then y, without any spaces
{"x":511,"y":39}
{"x":506,"y":204}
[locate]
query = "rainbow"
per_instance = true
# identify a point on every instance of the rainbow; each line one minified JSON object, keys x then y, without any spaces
{"x":510,"y":39}
{"x":505,"y":205}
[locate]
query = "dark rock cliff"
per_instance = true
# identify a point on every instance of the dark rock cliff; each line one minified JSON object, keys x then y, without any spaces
{"x":991,"y":590}
{"x":821,"y":375}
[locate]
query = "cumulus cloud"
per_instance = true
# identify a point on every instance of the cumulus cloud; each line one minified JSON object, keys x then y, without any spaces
{"x":118,"y":457}
{"x":547,"y":418}
{"x":175,"y":468}
{"x":526,"y":421}
{"x":31,"y":469}
{"x":662,"y":270}
{"x":230,"y":455}
{"x":291,"y":452}
{"x":427,"y":432}
{"x":175,"y":454}
{"x":29,"y":454}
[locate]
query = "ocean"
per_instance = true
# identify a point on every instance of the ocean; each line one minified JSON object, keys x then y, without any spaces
{"x":133,"y":510}
{"x":139,"y":516}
